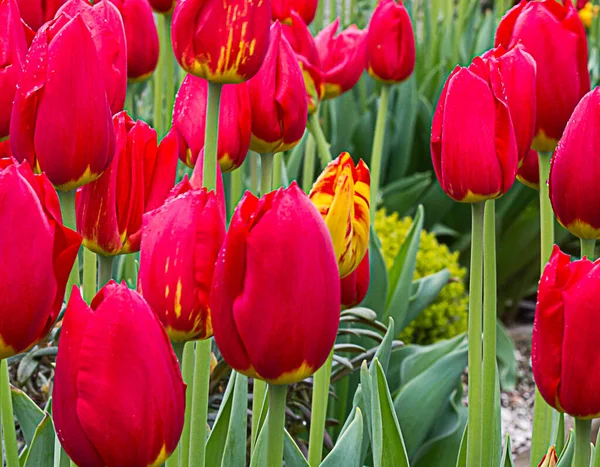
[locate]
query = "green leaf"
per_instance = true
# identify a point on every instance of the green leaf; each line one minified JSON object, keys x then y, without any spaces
{"x":385,"y":348}
{"x":215,"y":445}
{"x":596,"y":457}
{"x":27,"y":413}
{"x":401,"y":195}
{"x":347,"y":450}
{"x":506,"y":460}
{"x":424,"y":292}
{"x":291,"y":453}
{"x":235,"y":445}
{"x":378,"y":287}
{"x":505,"y":354}
{"x":461,"y":460}
{"x":41,"y":452}
{"x":259,"y":455}
{"x":566,"y":457}
{"x":26,"y":367}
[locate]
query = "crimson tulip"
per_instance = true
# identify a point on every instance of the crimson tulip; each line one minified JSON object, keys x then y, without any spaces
{"x":37,"y":254}
{"x":283,"y":10}
{"x":61,"y":121}
{"x":118,"y":396}
{"x":528,"y":172}
{"x":343,"y":57}
{"x":235,"y":123}
{"x":554,"y":36}
{"x":356,"y":285}
{"x":391,"y":50}
{"x":278,"y":99}
{"x":162,"y":6}
{"x":275,"y":299}
{"x":36,"y":12}
{"x":222,"y":42}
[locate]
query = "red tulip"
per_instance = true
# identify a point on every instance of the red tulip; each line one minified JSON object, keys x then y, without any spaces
{"x":275,"y":298}
{"x":564,"y":356}
{"x":106,"y":25}
{"x":391,"y":50}
{"x":555,"y":38}
{"x":222,"y":42}
{"x":355,"y":286}
{"x":278,"y":99}
{"x":235,"y":124}
{"x":162,"y":6}
{"x":141,"y":36}
{"x":110,"y":209}
{"x":37,"y":254}
{"x":61,"y":120}
{"x":118,"y":397}
{"x":37,"y":12}
{"x":473,"y":143}
{"x":528,"y":172}
{"x":283,"y":10}
{"x":343,"y":57}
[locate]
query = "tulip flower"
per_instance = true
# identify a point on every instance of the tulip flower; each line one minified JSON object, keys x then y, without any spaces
{"x":222,"y":42}
{"x":275,"y":299}
{"x":235,"y":124}
{"x":13,"y":48}
{"x":141,"y":36}
{"x":162,"y":6}
{"x":342,"y":196}
{"x":554,"y":36}
{"x":61,"y":121}
{"x":284,"y":10}
{"x":118,"y":396}
{"x":110,"y":209}
{"x":343,"y":57}
{"x":36,"y":12}
{"x":180,"y":244}
{"x":106,"y":25}
{"x":528,"y":172}
{"x":37,"y":254}
{"x":390,"y":49}
{"x":473,"y":166}
{"x":356,"y":284}
{"x":550,"y":459}
{"x":278,"y":99}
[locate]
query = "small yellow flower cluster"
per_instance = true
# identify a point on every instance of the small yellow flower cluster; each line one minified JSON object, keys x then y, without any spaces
{"x":586,"y":14}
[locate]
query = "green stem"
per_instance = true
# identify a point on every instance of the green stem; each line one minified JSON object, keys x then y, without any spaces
{"x":377,"y":152}
{"x":209,"y":168}
{"x":546,"y":213}
{"x":319,"y":412}
{"x":174,"y":460}
{"x":200,"y":404}
{"x":319,"y":16}
{"x":266,"y":173}
{"x":308,"y":169}
{"x":237,"y":188}
{"x":169,"y":73}
{"x":314,"y":126}
{"x":187,"y":370}
{"x":588,"y":248}
{"x":277,"y":167}
{"x":583,"y":429}
{"x":159,"y":76}
{"x":8,"y":418}
{"x":90,"y":275}
{"x":105,"y":264}
{"x":67,"y":207}
{"x":332,"y":10}
{"x":276,"y":421}
{"x":129,"y":105}
{"x":254,"y":171}
{"x":475,"y":329}
{"x":259,"y":390}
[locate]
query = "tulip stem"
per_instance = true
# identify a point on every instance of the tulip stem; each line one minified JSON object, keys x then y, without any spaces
{"x":254,"y":171}
{"x":314,"y":126}
{"x":8,"y":419}
{"x":169,"y":73}
{"x":159,"y":76}
{"x":237,"y":188}
{"x":105,"y":264}
{"x":276,"y":421}
{"x":200,"y":404}
{"x":277,"y":168}
{"x":319,"y":412}
{"x":209,"y":168}
{"x":377,"y":152}
{"x":266,"y":173}
{"x":308,"y":170}
{"x":475,"y":329}
{"x":90,"y":275}
{"x":588,"y":248}
{"x":187,"y":370}
{"x":583,"y":429}
{"x":67,"y":207}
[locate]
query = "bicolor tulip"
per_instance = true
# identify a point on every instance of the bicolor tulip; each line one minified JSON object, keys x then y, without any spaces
{"x":61,"y":121}
{"x":391,"y":50}
{"x":356,"y":284}
{"x":235,"y":122}
{"x":13,"y":48}
{"x":141,"y":175}
{"x":528,"y":172}
{"x":550,"y":459}
{"x":37,"y":254}
{"x":574,"y":173}
{"x":141,"y":36}
{"x":473,"y":166}
{"x":36,"y":12}
{"x":118,"y":396}
{"x":162,"y":6}
{"x":180,"y":244}
{"x":278,"y":99}
{"x":275,"y":298}
{"x":564,"y":356}
{"x":343,"y":57}
{"x":106,"y":26}
{"x":554,"y":36}
{"x":222,"y":42}
{"x":342,"y":196}
{"x":283,"y":10}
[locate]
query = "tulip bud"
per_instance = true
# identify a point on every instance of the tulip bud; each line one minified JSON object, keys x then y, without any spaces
{"x":390,"y":42}
{"x":110,"y":209}
{"x":118,"y":396}
{"x":278,"y":99}
{"x":222,"y":42}
{"x":473,"y":166}
{"x":528,"y":172}
{"x":343,"y":57}
{"x":235,"y":124}
{"x":342,"y":196}
{"x":565,"y":336}
{"x":554,"y":36}
{"x":141,"y":37}
{"x":61,"y":121}
{"x":37,"y":254}
{"x":550,"y":459}
{"x":163,"y":6}
{"x":36,"y":12}
{"x":284,"y":10}
{"x":356,"y":284}
{"x":13,"y":48}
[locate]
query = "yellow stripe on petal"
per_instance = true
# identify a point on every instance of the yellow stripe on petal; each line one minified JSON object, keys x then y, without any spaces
{"x":583,"y":230}
{"x":163,"y":455}
{"x":87,"y":177}
{"x":6,"y":350}
{"x":294,"y":376}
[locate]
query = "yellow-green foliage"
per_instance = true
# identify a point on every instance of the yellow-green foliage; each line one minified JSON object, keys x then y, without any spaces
{"x":447,"y":316}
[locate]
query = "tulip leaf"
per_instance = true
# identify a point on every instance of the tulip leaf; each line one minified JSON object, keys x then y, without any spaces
{"x":235,"y":444}
{"x":358,"y":403}
{"x":27,"y":413}
{"x":291,"y":453}
{"x":461,"y":459}
{"x":382,"y":356}
{"x":27,"y":367}
{"x":506,"y":460}
{"x":596,"y":456}
{"x":378,"y":287}
{"x":424,"y":293}
{"x":215,"y":445}
{"x":41,"y":451}
{"x":360,"y":312}
{"x":401,"y":195}
{"x":566,"y":456}
{"x":347,"y":450}
{"x":259,"y":455}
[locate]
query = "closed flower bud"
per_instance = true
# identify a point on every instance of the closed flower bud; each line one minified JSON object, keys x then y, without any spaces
{"x":391,"y":51}
{"x":162,"y":6}
{"x":36,"y":12}
{"x":283,"y":10}
{"x":554,"y":36}
{"x":342,"y":196}
{"x":550,"y":459}
{"x":118,"y":396}
{"x":37,"y":254}
{"x":278,"y":99}
{"x":356,"y":284}
{"x":222,"y":42}
{"x":343,"y":57}
{"x":473,"y":166}
{"x":275,"y":298}
{"x":528,"y":172}
{"x":61,"y":121}
{"x":235,"y":122}
{"x":110,"y":209}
